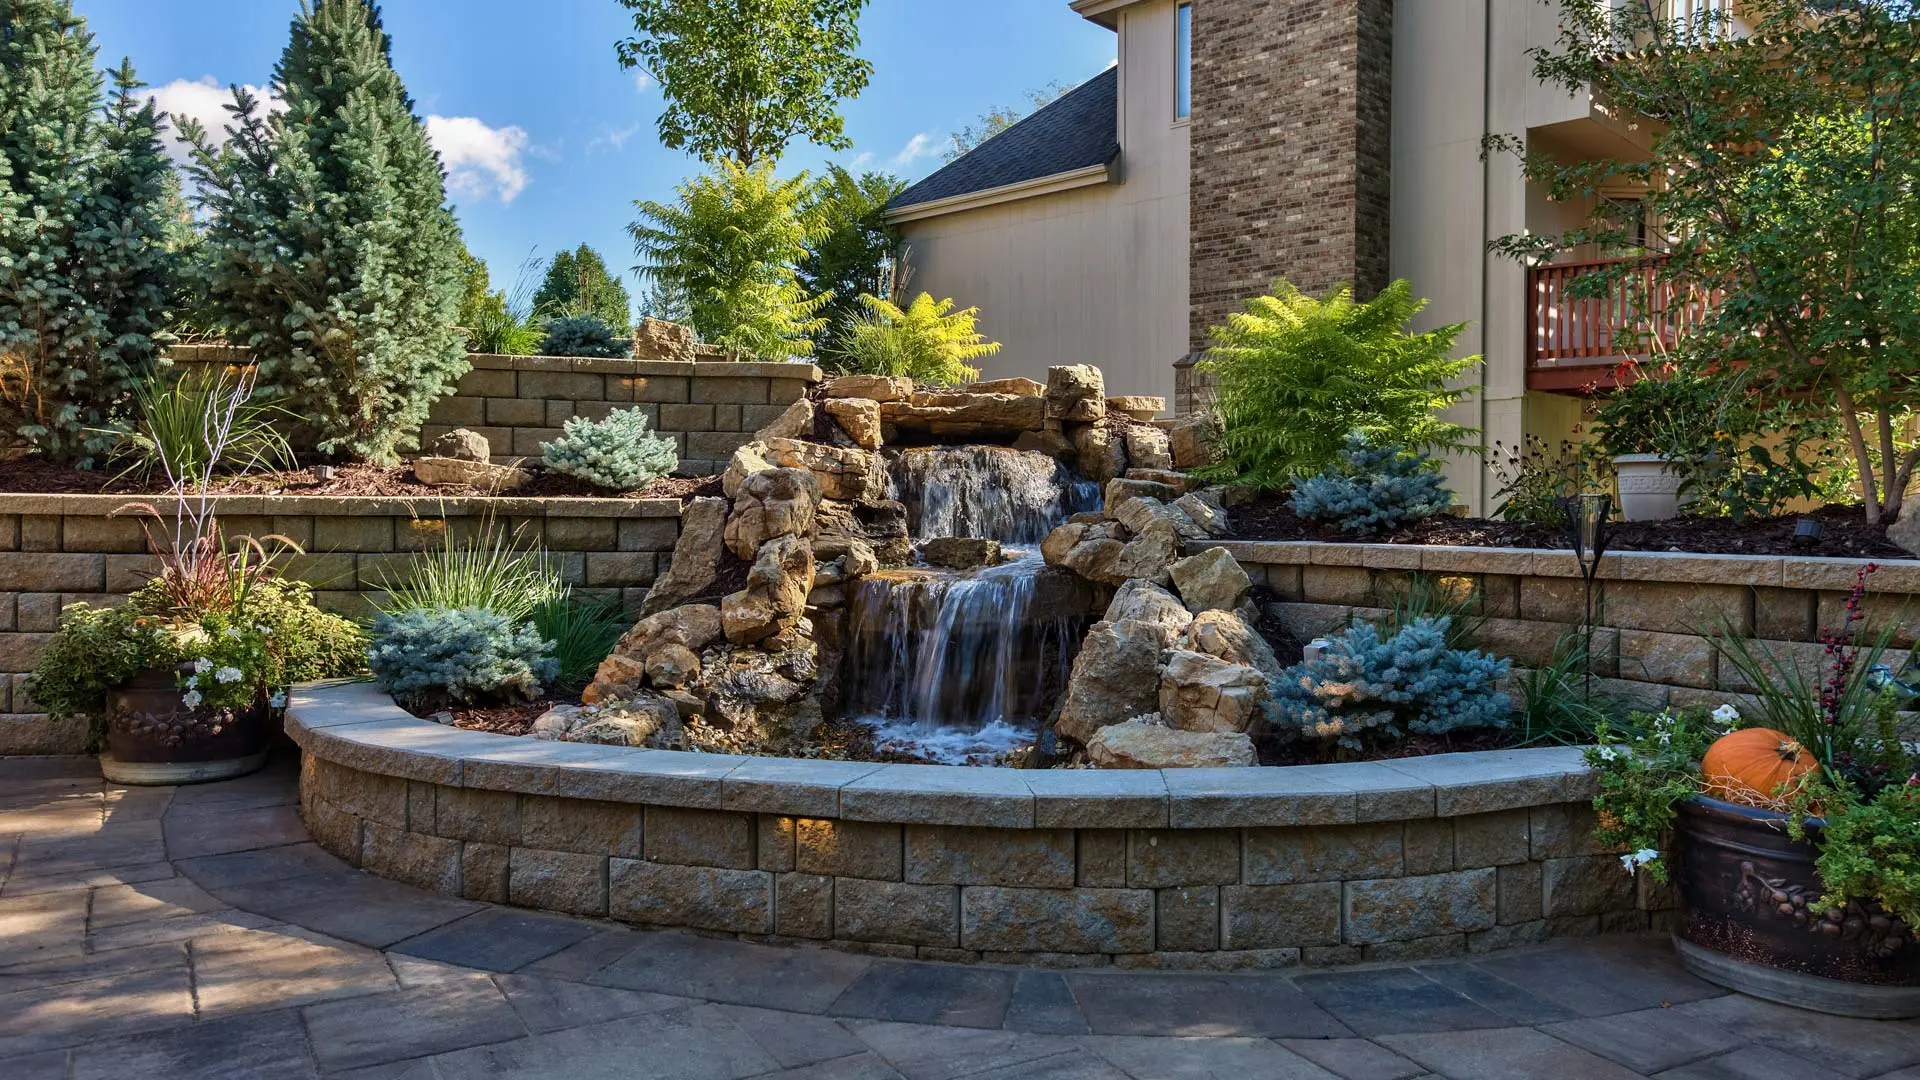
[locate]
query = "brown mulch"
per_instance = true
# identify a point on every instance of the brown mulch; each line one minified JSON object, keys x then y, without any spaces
{"x":34,"y":476}
{"x":497,"y":719}
{"x":1847,"y":533}
{"x":1410,"y":747}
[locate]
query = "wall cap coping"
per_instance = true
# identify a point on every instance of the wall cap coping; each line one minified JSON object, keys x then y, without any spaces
{"x":422,"y":506}
{"x":355,"y":725}
{"x":586,"y":365}
{"x":1675,"y":567}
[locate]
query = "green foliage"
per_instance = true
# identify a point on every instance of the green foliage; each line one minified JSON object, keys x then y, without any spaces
{"x":1785,"y":176}
{"x":744,"y":78}
{"x":1555,"y":704}
{"x":332,"y":253}
{"x":176,"y":423}
{"x":1000,"y":118}
{"x":729,"y":244}
{"x":276,"y":638}
{"x":1534,"y":478}
{"x":1457,"y":600}
{"x":1869,"y":848}
{"x":583,"y":634}
{"x":486,"y":571}
{"x":853,"y":248}
{"x":578,"y":283}
{"x":437,"y":656}
{"x":476,"y":288}
{"x":86,"y":275}
{"x":615,"y":453}
{"x":1369,"y":690}
{"x":1296,"y":375}
{"x":926,"y":341}
{"x":1644,"y":771}
{"x":583,"y":335}
{"x":1375,"y":489}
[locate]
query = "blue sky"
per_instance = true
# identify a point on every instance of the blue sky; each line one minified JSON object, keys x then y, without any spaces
{"x":550,"y":142}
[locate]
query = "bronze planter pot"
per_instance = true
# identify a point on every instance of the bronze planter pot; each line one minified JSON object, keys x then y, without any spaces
{"x":1751,"y":919}
{"x":154,"y":739}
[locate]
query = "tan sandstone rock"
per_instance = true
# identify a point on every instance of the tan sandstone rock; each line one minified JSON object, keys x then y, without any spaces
{"x":696,"y":556}
{"x":878,"y":388}
{"x":1150,"y":554}
{"x":1225,"y":635}
{"x":772,"y":504}
{"x":1202,"y":693}
{"x":775,"y":598}
{"x":658,"y":339}
{"x":1203,"y":509}
{"x":842,"y":472}
{"x":1076,"y":392}
{"x":1115,"y":676}
{"x":859,"y":418}
{"x":1016,"y":387}
{"x":1143,"y":601}
{"x":1137,"y":407}
{"x":462,"y":445}
{"x":1191,"y":442}
{"x":1211,"y":581}
{"x":1147,"y":744}
{"x":879,"y":523}
{"x":1101,"y":455}
{"x":961,"y":552}
{"x":1148,"y":448}
{"x":962,"y":414}
{"x":672,"y":666}
{"x":795,"y":423}
{"x":456,"y":472}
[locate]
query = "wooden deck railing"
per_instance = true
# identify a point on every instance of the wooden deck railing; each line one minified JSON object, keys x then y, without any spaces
{"x":1640,"y":317}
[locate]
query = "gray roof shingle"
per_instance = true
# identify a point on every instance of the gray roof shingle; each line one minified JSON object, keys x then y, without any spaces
{"x":1078,"y":129}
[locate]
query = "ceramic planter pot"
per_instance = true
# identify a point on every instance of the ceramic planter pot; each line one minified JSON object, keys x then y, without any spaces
{"x":1649,"y":487}
{"x":1752,"y":920}
{"x":154,"y":739}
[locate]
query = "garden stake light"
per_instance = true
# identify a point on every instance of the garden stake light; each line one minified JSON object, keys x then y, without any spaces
{"x":1587,"y":515}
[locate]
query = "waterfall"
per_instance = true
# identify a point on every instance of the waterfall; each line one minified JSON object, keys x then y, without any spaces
{"x":962,"y":667}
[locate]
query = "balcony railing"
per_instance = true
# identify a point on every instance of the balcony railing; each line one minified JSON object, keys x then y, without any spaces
{"x":1572,"y":340}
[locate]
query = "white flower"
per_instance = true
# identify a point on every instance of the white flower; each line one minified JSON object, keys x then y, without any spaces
{"x":192,"y":681}
{"x":265,"y":630}
{"x":228,"y":675}
{"x":203,"y":665}
{"x":191,"y":699}
{"x":1726,"y":714}
{"x":1607,"y":753}
{"x":232,"y":633}
{"x":277,"y":699}
{"x":1638,"y":859}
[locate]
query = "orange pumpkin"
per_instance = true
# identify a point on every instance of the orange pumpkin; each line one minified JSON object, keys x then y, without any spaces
{"x":1754,"y":766}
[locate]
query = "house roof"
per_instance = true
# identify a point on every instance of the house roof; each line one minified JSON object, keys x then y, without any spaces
{"x":1078,"y":130}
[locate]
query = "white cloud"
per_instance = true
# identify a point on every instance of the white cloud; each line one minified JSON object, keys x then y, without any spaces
{"x":206,"y":101}
{"x":863,"y":159}
{"x":642,"y":81}
{"x":923,"y":145}
{"x":481,"y":161}
{"x":613,"y":138}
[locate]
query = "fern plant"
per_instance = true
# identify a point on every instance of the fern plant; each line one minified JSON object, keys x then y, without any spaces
{"x":583,"y":335}
{"x":1376,"y":489}
{"x":926,"y":341}
{"x":614,"y":453}
{"x":729,"y":244}
{"x":1296,"y":374}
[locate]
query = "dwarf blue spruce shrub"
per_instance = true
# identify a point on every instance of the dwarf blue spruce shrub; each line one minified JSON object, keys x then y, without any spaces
{"x":437,"y":656}
{"x":1378,"y":489}
{"x":614,"y":453}
{"x":583,"y":335}
{"x":1365,"y":689}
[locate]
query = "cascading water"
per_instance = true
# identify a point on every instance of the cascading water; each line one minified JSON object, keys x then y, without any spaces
{"x":961,"y":667}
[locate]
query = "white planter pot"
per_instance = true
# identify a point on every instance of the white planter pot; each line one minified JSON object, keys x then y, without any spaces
{"x":1649,"y":487}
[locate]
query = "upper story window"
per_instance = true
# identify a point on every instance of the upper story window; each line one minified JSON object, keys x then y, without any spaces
{"x":1183,"y":62}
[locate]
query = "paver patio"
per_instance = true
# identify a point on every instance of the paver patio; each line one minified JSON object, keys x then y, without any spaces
{"x":158,"y":933}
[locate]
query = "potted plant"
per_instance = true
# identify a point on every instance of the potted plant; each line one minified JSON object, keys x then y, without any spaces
{"x":1641,"y":427}
{"x":1793,"y":831}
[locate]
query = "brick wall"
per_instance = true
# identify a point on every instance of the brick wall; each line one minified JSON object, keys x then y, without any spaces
{"x":709,"y":409}
{"x":57,"y":550}
{"x":1290,"y":154}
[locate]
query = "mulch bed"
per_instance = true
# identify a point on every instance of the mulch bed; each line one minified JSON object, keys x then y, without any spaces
{"x":1847,"y":533}
{"x":497,"y":719}
{"x":32,"y":476}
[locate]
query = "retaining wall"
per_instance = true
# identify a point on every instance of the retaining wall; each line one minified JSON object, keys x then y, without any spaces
{"x":56,"y":550}
{"x":1203,"y":868}
{"x":709,"y":409}
{"x":1654,"y":612}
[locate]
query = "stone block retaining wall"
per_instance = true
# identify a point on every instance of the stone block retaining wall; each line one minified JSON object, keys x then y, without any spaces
{"x":1207,"y":868}
{"x":709,"y":409}
{"x":56,"y":550}
{"x":1654,"y":612}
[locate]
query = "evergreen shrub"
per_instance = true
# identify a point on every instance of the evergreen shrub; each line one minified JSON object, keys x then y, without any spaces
{"x":1379,"y":489}
{"x":615,"y":453}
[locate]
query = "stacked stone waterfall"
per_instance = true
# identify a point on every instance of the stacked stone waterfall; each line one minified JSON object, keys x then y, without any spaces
{"x":808,"y":513}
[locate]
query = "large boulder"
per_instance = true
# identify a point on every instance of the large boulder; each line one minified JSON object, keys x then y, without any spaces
{"x":961,"y":552}
{"x":696,"y":556}
{"x":772,"y":504}
{"x":672,"y":666}
{"x":1148,"y":448}
{"x":1904,"y":533}
{"x":878,"y":388}
{"x":461,"y":444}
{"x":1051,"y":443}
{"x":658,"y":339}
{"x":1191,"y":442}
{"x":1137,"y":512}
{"x":842,"y":472}
{"x":775,"y":598}
{"x":691,"y":627}
{"x":746,"y":461}
{"x":1203,"y":693}
{"x":1143,"y":601}
{"x":1076,"y":392}
{"x":795,"y":423}
{"x":1137,"y":407}
{"x":1146,"y":743}
{"x":460,"y":472}
{"x":1224,"y":635}
{"x":880,"y":523}
{"x":1211,"y":581}
{"x":1016,"y":387}
{"x":1203,"y":508}
{"x":961,"y":414}
{"x":1102,"y":456}
{"x":1120,"y":490}
{"x":1150,"y":554}
{"x":1116,"y":675}
{"x":646,"y":720}
{"x":859,"y":418}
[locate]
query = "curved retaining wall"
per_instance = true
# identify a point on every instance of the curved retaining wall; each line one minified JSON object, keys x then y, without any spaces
{"x":1216,"y":868}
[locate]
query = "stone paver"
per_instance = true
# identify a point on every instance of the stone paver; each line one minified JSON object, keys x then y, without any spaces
{"x":197,"y":933}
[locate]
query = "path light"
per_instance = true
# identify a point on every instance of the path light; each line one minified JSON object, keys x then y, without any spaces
{"x":322,"y":473}
{"x":1808,"y":532}
{"x":1587,"y":515}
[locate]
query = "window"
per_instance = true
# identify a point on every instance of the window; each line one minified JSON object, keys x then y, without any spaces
{"x":1183,"y":62}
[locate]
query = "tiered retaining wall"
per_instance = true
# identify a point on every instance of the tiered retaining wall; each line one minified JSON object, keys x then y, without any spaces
{"x":56,"y":550}
{"x":709,"y":409}
{"x":1207,"y":868}
{"x":1654,"y":612}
